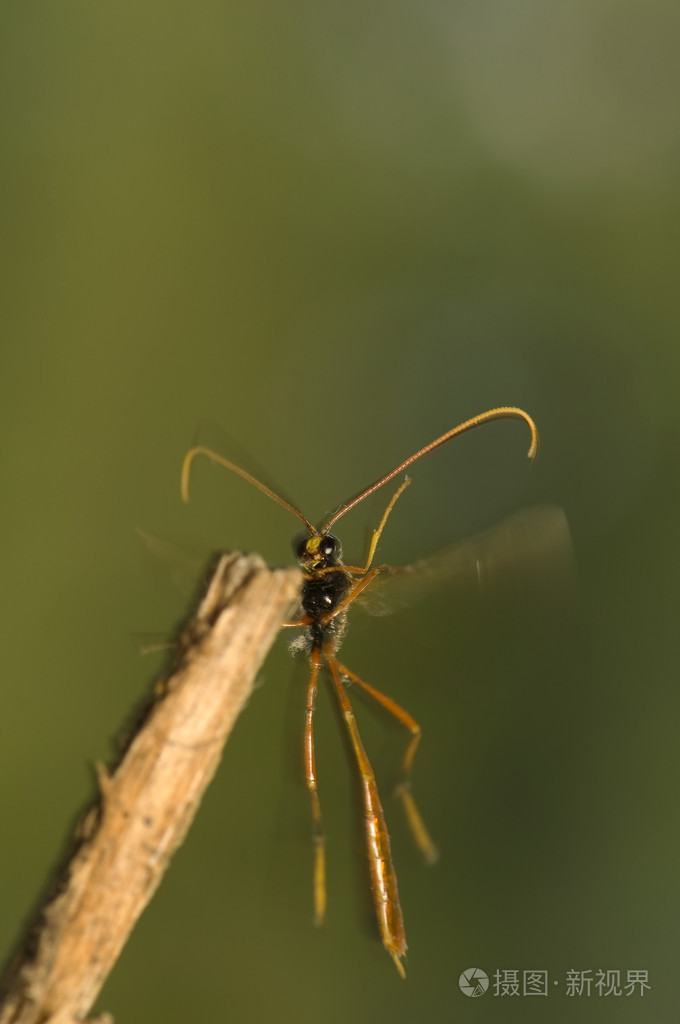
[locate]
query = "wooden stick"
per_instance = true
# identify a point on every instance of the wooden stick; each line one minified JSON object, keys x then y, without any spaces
{"x":126,"y":840}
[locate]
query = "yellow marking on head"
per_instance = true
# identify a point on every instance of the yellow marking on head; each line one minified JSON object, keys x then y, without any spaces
{"x":312,"y":545}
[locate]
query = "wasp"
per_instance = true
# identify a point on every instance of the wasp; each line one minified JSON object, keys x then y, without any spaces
{"x":330,"y":587}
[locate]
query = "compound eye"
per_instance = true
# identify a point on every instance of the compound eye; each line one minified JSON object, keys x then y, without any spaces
{"x":329,"y":546}
{"x":300,"y":545}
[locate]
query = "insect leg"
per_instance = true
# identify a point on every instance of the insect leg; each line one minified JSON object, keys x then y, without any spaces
{"x":381,"y":525}
{"x":379,"y":529}
{"x":356,"y":588}
{"x":383,"y":876}
{"x":310,"y":776}
{"x":298,"y":624}
{"x":403,"y":792}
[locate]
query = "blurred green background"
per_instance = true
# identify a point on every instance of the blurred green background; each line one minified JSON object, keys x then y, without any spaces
{"x":326,"y":233}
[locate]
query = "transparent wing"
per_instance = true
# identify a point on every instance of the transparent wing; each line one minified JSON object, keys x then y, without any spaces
{"x":184,"y":568}
{"x":528,"y":555}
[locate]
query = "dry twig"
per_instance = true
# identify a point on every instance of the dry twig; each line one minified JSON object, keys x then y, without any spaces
{"x":146,"y":806}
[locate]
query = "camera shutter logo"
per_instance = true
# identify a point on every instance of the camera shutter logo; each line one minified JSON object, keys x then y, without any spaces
{"x":473,"y":982}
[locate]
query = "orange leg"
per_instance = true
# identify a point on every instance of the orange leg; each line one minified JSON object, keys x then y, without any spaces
{"x":357,"y":587}
{"x":383,"y":876}
{"x":381,"y":525}
{"x":310,"y":776}
{"x":403,"y":791}
{"x":362,"y":570}
{"x":304,"y":621}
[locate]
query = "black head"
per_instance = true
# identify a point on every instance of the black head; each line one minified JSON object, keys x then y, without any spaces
{"x":317,"y":551}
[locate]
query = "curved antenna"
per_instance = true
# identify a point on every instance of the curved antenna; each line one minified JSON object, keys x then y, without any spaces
{"x":505,"y":412}
{"x":221,"y":461}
